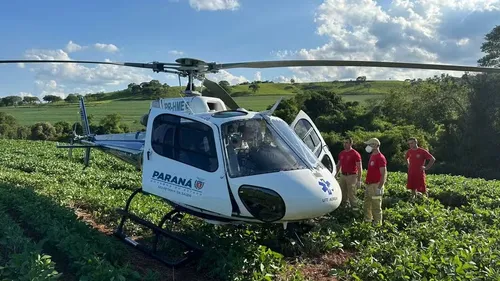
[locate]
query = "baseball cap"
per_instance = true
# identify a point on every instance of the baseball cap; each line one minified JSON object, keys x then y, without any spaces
{"x":373,"y":141}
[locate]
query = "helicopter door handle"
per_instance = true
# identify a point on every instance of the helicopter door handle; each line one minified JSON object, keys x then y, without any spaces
{"x":148,"y":153}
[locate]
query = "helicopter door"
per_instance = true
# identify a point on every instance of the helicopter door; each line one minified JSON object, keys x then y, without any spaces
{"x":307,"y":131}
{"x":183,"y":162}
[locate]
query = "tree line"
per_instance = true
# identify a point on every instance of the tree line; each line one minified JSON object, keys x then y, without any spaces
{"x":59,"y":131}
{"x":29,"y":100}
{"x":146,"y":90}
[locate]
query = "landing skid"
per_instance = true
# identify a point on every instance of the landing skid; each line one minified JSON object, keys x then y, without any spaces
{"x":174,"y":216}
{"x":295,"y":230}
{"x":287,"y":241}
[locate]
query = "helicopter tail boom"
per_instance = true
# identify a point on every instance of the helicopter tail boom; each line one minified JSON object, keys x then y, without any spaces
{"x":127,"y":151}
{"x":127,"y":147}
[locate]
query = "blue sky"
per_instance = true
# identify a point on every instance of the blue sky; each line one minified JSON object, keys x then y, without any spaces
{"x":144,"y":31}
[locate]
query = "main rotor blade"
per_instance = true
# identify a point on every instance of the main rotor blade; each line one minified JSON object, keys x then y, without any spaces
{"x":216,"y":91}
{"x":154,"y":65}
{"x":297,"y":63}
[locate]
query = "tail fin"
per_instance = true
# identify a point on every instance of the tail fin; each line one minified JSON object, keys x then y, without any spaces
{"x":85,"y":120}
{"x":86,"y":130}
{"x":88,"y":144}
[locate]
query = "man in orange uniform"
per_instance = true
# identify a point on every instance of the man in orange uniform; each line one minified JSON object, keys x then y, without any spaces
{"x":375,"y":180}
{"x":415,"y":157}
{"x":350,"y":166}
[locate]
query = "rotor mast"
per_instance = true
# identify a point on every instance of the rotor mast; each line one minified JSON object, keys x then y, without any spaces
{"x":190,"y":88}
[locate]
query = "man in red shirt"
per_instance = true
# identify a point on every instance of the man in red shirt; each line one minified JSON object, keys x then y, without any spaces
{"x":415,"y":157}
{"x":376,"y":176}
{"x":349,"y":164}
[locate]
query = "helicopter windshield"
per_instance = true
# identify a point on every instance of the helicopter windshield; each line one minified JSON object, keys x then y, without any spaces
{"x":253,"y":147}
{"x":294,"y":140}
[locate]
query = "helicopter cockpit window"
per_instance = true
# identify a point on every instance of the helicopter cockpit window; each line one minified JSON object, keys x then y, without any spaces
{"x":253,"y":147}
{"x":185,"y":140}
{"x":312,"y":139}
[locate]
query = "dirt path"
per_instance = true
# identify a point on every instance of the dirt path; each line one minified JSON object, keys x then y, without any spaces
{"x":318,"y":269}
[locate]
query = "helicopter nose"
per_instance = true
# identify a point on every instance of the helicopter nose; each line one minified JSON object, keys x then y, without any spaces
{"x":319,"y":194}
{"x":288,"y":195}
{"x":330,"y":187}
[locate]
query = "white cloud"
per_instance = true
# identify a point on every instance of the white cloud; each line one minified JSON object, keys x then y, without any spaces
{"x":176,"y":52}
{"x":171,"y":76}
{"x":285,"y":79}
{"x":425,"y":31}
{"x":463,"y":41}
{"x":73,"y":47}
{"x":65,"y":78}
{"x":24,"y":94}
{"x":257,"y":76}
{"x":224,"y":75}
{"x":46,"y":85}
{"x":49,"y":87}
{"x":214,"y":5}
{"x":106,"y":47}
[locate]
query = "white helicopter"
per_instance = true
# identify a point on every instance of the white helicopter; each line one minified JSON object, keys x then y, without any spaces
{"x":208,"y":157}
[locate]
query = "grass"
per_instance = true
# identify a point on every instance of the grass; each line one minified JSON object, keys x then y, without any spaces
{"x":453,"y":235}
{"x":132,"y":109}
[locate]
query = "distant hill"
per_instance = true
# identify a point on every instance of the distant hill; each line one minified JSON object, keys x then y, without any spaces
{"x":154,"y":89}
{"x":339,"y":87}
{"x":265,"y":88}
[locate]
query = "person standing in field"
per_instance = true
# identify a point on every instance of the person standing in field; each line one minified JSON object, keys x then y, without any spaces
{"x":416,"y":157}
{"x":349,"y":165}
{"x":376,"y":177}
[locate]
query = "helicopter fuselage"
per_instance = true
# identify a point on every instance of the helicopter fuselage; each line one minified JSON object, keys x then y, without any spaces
{"x":216,"y":164}
{"x":229,"y":165}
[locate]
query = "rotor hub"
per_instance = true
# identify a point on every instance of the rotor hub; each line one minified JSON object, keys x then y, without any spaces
{"x":190,"y":62}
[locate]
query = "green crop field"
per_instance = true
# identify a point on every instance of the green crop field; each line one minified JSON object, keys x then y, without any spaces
{"x":131,"y":109}
{"x":45,"y":197}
